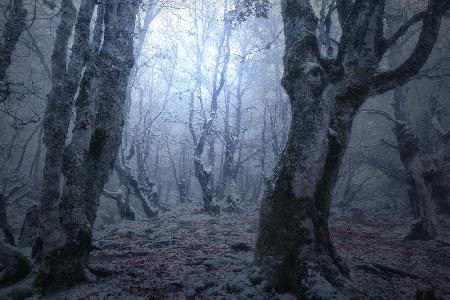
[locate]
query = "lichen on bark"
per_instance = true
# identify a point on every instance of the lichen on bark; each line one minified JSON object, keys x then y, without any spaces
{"x":294,"y":247}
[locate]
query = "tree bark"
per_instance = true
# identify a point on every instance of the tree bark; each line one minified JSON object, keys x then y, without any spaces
{"x":4,"y":225}
{"x":14,"y":26}
{"x":204,"y":173}
{"x":122,"y":198}
{"x":57,"y":116}
{"x":127,"y":179}
{"x":419,"y":188}
{"x":89,"y":159}
{"x":180,"y":182}
{"x":29,"y":230}
{"x":229,"y":186}
{"x":294,"y":247}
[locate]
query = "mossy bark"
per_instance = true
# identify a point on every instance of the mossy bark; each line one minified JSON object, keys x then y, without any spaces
{"x":294,"y":247}
{"x":89,"y":158}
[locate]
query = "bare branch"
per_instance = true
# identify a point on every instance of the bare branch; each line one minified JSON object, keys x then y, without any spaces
{"x":402,"y":30}
{"x":382,"y":113}
{"x":386,"y":81}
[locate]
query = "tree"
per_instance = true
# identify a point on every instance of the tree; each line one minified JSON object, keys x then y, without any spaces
{"x":232,"y":133}
{"x":122,"y":198}
{"x":425,"y":170}
{"x":294,"y":247}
{"x":15,"y":14}
{"x":204,"y":172}
{"x":180,"y":181}
{"x":66,"y":233}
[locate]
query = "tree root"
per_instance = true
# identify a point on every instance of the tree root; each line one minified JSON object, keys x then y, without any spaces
{"x":384,"y":269}
{"x":14,"y":266}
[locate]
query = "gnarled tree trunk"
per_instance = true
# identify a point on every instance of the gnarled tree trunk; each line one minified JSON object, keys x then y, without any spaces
{"x":294,"y":247}
{"x":89,"y":158}
{"x":65,"y":78}
{"x":419,"y":189}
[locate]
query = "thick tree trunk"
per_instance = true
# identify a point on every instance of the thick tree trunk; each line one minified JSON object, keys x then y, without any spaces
{"x":65,"y":79}
{"x":56,"y":122}
{"x":294,"y":247}
{"x":90,"y":156}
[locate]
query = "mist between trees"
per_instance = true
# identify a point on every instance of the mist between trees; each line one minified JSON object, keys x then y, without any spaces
{"x":264,"y":135}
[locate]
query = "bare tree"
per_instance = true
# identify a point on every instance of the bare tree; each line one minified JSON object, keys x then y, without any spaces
{"x":294,"y":247}
{"x":203,"y":173}
{"x":89,"y":158}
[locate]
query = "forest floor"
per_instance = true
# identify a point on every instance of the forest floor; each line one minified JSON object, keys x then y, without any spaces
{"x":186,"y":256}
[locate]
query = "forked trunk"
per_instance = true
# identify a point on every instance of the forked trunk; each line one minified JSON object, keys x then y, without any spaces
{"x":294,"y":247}
{"x":89,"y":159}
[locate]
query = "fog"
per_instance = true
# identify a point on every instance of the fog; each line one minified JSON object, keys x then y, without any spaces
{"x":232,"y":149}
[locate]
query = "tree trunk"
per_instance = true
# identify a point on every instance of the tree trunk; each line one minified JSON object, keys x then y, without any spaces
{"x":58,"y":115}
{"x":122,"y":198}
{"x":179,"y":182}
{"x":4,"y":225}
{"x":419,"y":190}
{"x":15,"y":13}
{"x":90,"y":156}
{"x":229,"y":186}
{"x":29,"y":230}
{"x":294,"y":247}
